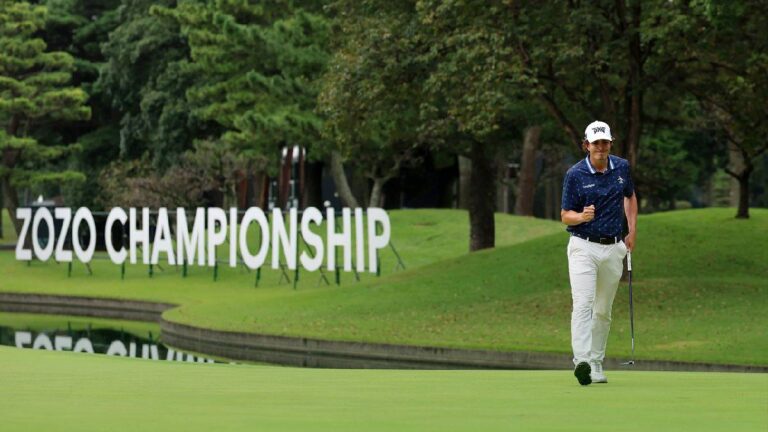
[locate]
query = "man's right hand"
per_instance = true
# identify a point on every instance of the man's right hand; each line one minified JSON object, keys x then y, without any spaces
{"x":588,"y":214}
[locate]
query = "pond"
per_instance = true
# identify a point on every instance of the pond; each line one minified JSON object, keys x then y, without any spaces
{"x":89,"y":335}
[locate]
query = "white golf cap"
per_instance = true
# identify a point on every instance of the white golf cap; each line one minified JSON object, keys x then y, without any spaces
{"x":598,"y":130}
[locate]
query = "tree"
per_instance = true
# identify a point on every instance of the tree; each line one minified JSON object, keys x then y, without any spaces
{"x":446,"y":70}
{"x":256,"y":67}
{"x":145,"y":77}
{"x":34,"y":89}
{"x":473,"y":88}
{"x":726,"y":70}
{"x":80,"y":28}
{"x":586,"y":61}
{"x":526,"y":185}
{"x":370,"y":93}
{"x":205,"y":175}
{"x":665,"y":169}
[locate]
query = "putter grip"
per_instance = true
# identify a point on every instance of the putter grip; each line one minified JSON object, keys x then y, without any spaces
{"x":629,"y":261}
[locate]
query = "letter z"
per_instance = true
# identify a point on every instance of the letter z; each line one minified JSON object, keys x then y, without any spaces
{"x":24,"y":214}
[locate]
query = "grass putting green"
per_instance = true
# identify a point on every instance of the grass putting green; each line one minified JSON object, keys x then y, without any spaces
{"x":82,"y":392}
{"x":700,"y":289}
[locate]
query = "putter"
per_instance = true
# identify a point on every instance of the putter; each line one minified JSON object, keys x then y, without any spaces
{"x":631,"y":311}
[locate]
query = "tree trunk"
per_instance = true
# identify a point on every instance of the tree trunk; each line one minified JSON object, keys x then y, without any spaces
{"x":256,"y":182}
{"x":266,"y":185}
{"x":340,"y":179}
{"x":735,"y":167}
{"x":312,"y":196}
{"x":465,"y":173}
{"x":633,"y":93}
{"x":11,"y":199}
{"x":743,"y":211}
{"x":526,"y":186}
{"x":358,"y":184}
{"x":376,"y":192}
{"x":482,"y":190}
{"x":502,"y":184}
{"x":740,"y":169}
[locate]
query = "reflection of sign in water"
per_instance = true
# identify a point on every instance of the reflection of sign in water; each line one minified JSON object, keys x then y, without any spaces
{"x":125,"y":346}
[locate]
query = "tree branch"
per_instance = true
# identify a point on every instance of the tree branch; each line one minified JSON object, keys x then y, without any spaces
{"x":733,"y":174}
{"x":570,"y":129}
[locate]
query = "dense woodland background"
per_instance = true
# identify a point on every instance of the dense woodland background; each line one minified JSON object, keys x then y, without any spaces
{"x":477,"y":104}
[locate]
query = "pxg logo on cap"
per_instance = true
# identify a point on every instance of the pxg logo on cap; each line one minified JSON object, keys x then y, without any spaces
{"x":598,"y":130}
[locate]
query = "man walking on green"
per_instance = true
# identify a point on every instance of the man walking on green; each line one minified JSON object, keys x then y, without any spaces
{"x":597,"y":193}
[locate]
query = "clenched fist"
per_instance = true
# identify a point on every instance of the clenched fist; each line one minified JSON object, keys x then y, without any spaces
{"x":588,"y":214}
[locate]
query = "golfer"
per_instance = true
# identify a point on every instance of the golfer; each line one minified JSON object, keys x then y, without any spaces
{"x":597,"y":193}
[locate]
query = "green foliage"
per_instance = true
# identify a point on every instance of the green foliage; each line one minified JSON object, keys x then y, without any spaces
{"x":371,"y":91}
{"x":210,"y":167}
{"x":144,"y":80}
{"x":666,"y":170}
{"x":256,"y":67}
{"x":34,"y":89}
{"x":474,"y":73}
{"x":730,"y":75}
{"x":725,"y":69}
{"x":79,"y":27}
{"x":380,"y":82}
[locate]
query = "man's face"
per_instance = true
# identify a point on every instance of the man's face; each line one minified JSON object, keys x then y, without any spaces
{"x":600,"y":149}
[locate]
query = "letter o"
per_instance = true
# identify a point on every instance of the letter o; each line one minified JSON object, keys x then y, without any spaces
{"x":42,"y":341}
{"x":87,"y":254}
{"x":43,"y":253}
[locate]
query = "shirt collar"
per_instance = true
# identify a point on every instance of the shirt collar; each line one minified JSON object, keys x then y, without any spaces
{"x":592,"y":169}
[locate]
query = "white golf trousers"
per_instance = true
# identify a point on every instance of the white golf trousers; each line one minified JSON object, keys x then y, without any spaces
{"x":595,"y":270}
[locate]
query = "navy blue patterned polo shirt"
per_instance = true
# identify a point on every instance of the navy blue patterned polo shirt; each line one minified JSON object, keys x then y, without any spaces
{"x":584,"y":186}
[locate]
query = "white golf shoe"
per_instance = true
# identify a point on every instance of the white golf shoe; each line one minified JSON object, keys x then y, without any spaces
{"x":596,"y":373}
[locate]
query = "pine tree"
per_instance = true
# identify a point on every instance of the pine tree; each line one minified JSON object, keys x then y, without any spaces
{"x":257,"y":66}
{"x":34,"y":88}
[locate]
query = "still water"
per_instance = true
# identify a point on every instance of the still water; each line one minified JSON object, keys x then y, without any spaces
{"x":97,"y":336}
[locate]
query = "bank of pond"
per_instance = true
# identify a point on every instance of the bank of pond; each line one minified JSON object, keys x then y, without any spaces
{"x":100,"y":336}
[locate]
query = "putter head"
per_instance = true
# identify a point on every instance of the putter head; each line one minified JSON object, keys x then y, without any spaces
{"x":629,"y":363}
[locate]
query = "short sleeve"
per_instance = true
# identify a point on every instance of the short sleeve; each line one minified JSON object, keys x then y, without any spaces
{"x":571,"y":193}
{"x":629,"y":186}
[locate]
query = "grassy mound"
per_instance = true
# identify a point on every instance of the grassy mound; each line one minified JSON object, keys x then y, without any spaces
{"x":115,"y":393}
{"x":420,"y":237}
{"x":700,"y":283}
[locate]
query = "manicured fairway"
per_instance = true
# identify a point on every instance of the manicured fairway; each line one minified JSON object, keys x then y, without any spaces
{"x":79,"y":392}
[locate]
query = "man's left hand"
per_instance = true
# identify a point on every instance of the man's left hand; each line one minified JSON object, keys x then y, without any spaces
{"x":629,"y":240}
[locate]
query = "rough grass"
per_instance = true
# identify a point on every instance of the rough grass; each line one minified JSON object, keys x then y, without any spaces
{"x":82,"y":392}
{"x":9,"y":234}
